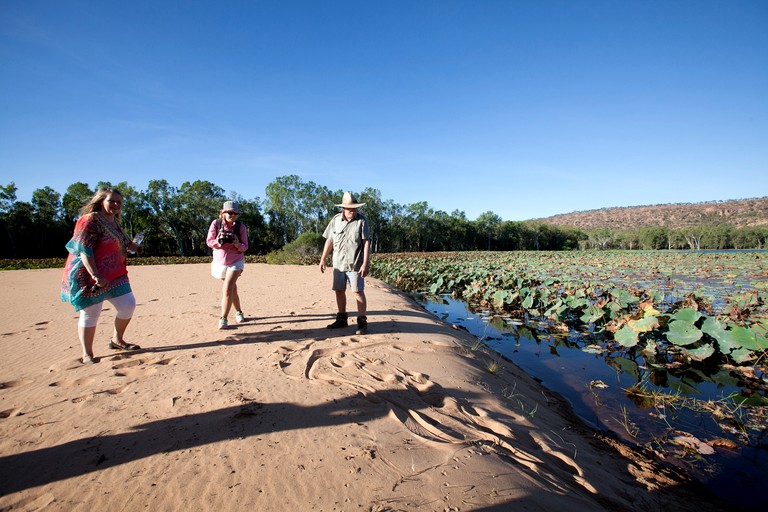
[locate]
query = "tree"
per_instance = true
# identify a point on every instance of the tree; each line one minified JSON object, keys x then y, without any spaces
{"x":750,"y":238}
{"x":46,"y":217}
{"x":7,"y":201}
{"x":282,"y":207}
{"x":627,"y":239}
{"x":260,"y":239}
{"x":201,"y":203}
{"x":74,"y":198}
{"x":458,"y":231}
{"x":652,"y":238}
{"x":600,"y":239}
{"x":163,"y":201}
{"x":375,"y":214}
{"x":487,"y":225}
{"x":692,"y":236}
{"x":716,"y":237}
{"x":416,"y":225}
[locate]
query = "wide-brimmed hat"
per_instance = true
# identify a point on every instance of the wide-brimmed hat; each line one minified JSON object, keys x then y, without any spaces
{"x":231,"y":206}
{"x":349,"y":201}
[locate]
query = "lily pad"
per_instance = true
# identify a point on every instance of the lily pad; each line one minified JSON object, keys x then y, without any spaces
{"x":683,"y":333}
{"x":626,"y":336}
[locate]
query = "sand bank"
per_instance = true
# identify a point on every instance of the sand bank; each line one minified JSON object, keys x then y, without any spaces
{"x":280,"y":413}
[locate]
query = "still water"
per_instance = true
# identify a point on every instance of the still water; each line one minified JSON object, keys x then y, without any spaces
{"x":594,"y":382}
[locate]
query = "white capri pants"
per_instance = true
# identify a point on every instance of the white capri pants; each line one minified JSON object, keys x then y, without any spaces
{"x":125,"y":305}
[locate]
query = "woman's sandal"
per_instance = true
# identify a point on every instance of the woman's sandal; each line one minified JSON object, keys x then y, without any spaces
{"x":127,"y":346}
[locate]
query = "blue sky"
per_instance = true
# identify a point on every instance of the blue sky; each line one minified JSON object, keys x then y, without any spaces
{"x":523,"y":108}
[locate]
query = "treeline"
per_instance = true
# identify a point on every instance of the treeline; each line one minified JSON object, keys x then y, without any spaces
{"x":175,"y":222}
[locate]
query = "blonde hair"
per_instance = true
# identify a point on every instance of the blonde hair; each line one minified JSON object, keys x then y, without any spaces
{"x":96,"y":203}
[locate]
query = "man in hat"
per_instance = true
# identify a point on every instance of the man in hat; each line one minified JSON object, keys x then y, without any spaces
{"x":347,"y":237}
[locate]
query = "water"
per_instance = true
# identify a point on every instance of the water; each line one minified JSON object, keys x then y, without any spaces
{"x":595,"y":384}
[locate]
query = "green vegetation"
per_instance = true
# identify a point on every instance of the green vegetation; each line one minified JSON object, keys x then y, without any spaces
{"x":305,"y":250}
{"x":672,"y":306}
{"x":176,"y":219}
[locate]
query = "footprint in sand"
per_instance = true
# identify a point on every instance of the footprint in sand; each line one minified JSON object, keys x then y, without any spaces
{"x":165,"y":362}
{"x":138,"y":372}
{"x":71,"y":383}
{"x":15,"y":383}
{"x":128,"y":364}
{"x":117,"y":391}
{"x":9,"y":413}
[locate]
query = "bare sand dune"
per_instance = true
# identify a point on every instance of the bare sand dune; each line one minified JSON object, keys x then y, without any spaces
{"x":280,"y":413}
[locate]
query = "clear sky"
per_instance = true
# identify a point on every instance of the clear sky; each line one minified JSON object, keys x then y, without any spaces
{"x":524,"y":108}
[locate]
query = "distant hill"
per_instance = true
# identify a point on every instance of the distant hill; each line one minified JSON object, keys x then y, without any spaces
{"x":736,"y":213}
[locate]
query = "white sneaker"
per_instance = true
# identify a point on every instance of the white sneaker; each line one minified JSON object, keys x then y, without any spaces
{"x":223,"y":324}
{"x":240,"y":317}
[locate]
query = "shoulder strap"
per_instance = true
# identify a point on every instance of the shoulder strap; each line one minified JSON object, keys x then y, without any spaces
{"x":218,"y":224}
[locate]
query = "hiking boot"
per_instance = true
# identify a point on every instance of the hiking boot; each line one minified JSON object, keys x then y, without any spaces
{"x":341,"y":321}
{"x":362,"y":325}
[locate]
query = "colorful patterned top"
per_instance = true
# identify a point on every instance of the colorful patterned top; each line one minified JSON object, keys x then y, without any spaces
{"x":106,"y":243}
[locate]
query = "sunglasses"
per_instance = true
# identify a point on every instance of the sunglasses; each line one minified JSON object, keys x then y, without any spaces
{"x":232,"y":213}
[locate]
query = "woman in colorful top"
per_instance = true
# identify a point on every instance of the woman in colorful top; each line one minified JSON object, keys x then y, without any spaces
{"x":228,"y":238}
{"x":96,"y":271}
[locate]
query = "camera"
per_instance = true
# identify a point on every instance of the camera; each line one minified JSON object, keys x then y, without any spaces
{"x":226,"y":238}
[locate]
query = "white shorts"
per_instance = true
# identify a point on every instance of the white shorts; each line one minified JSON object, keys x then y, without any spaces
{"x":219,"y":271}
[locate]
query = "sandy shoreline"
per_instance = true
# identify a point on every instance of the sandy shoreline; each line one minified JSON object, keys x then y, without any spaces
{"x":283,"y":414}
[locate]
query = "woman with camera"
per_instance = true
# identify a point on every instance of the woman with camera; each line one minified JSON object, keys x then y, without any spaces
{"x":96,"y":270}
{"x":228,"y":237}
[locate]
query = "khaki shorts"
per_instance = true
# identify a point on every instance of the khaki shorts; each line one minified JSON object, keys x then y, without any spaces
{"x":340,"y":280}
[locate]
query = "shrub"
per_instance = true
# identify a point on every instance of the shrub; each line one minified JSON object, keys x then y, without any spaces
{"x":305,"y":250}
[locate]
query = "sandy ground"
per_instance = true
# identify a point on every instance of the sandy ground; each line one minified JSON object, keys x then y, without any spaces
{"x":281,"y":413}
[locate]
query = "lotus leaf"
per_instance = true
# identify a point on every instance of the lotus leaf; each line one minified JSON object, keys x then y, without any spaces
{"x":699,"y":353}
{"x":437,"y":285}
{"x":687,"y":315}
{"x":745,"y":338}
{"x":742,"y":355}
{"x":649,"y":310}
{"x":592,"y":314}
{"x":528,"y":302}
{"x":644,"y":325}
{"x":683,"y":333}
{"x":626,"y":336}
{"x":716,"y":330}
